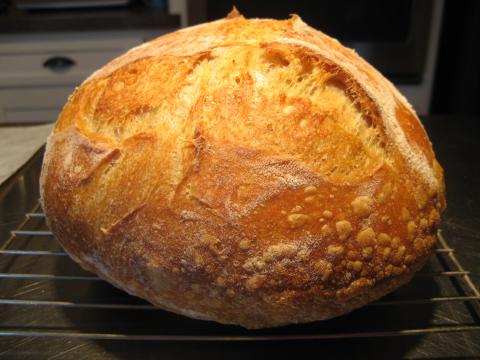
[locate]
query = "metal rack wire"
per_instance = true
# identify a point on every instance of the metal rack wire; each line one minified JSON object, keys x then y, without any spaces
{"x":34,"y":227}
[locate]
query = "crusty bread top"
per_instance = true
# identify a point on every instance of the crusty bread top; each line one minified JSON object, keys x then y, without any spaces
{"x":236,"y":36}
{"x":226,"y":152}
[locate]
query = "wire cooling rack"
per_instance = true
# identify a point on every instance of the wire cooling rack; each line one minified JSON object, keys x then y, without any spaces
{"x":45,"y":294}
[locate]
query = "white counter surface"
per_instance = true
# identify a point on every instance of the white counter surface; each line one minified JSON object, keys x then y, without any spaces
{"x":18,"y":144}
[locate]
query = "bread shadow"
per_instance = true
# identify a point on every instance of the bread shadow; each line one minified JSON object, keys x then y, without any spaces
{"x":378,"y":319}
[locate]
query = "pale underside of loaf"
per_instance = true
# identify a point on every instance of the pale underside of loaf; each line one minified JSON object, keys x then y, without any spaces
{"x":252,"y":172}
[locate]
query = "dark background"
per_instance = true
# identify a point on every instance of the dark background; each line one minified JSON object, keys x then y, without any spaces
{"x":457,"y":79}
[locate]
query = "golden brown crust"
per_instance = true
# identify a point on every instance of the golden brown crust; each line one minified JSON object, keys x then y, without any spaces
{"x":253,"y":172}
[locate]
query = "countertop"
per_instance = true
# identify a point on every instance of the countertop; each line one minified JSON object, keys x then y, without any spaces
{"x":18,"y":144}
{"x":133,"y":17}
{"x":457,"y":145}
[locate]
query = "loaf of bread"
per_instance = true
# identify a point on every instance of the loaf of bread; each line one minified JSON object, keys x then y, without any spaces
{"x":248,"y":171}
